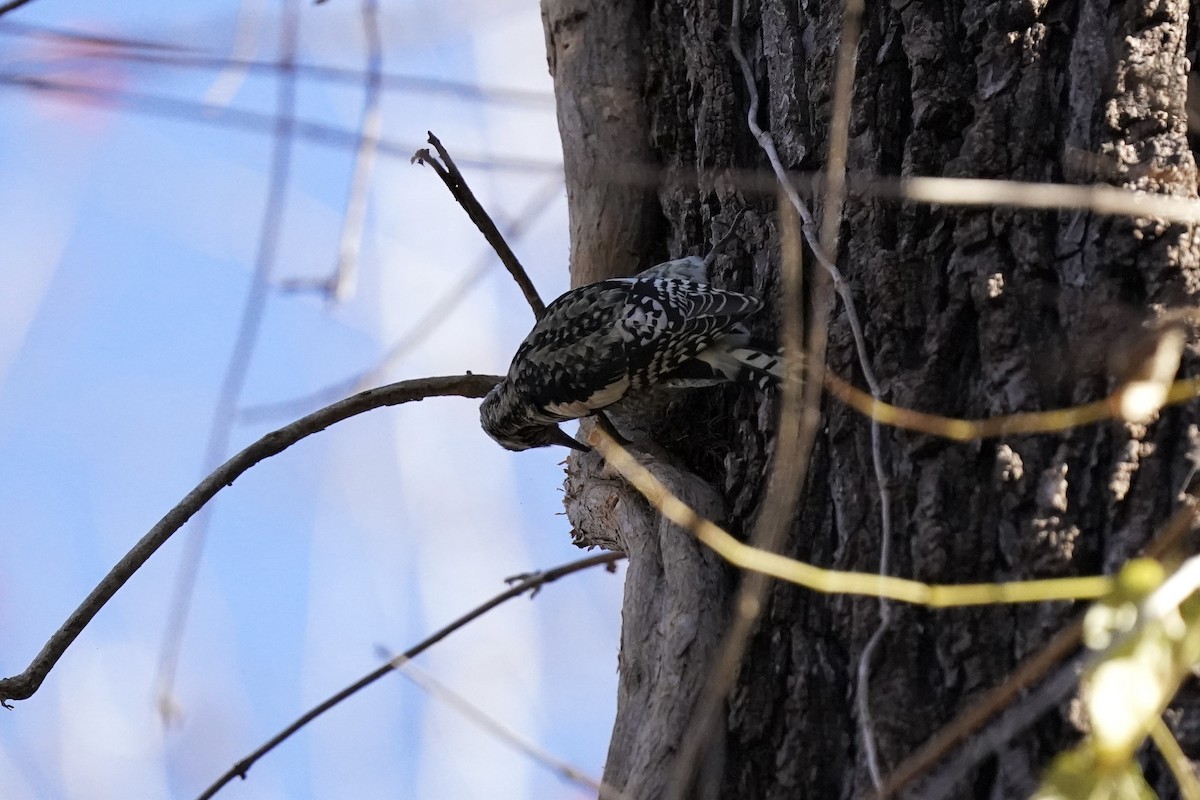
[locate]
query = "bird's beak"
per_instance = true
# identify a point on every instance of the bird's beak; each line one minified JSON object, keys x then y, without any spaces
{"x":560,"y":437}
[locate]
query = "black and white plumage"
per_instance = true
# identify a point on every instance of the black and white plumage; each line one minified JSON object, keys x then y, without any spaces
{"x":597,"y":343}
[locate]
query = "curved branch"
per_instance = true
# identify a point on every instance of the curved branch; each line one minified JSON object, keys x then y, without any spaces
{"x":22,"y":686}
{"x":13,"y":5}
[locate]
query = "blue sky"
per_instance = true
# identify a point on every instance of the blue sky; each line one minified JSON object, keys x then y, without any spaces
{"x":130,"y":241}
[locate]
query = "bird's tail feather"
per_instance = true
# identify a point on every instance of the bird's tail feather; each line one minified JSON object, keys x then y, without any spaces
{"x":725,"y":363}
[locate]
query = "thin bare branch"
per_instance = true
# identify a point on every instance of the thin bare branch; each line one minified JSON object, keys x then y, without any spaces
{"x":229,"y":398}
{"x":118,"y":43}
{"x":388,"y":81}
{"x":835,"y":195}
{"x":12,"y":5}
{"x":839,"y":127}
{"x":448,"y":171}
{"x":232,"y":74}
{"x":835,"y":581}
{"x":1097,"y":198}
{"x":528,"y":583}
{"x":1056,"y":420}
{"x":421,"y":329}
{"x":22,"y":686}
{"x":497,"y":729}
{"x":457,"y":184}
{"x":800,"y":417}
{"x":773,"y":521}
{"x":1177,"y":760}
{"x":183,"y":57}
{"x":345,"y":278}
{"x":1029,"y":673}
{"x":1019,"y":713}
{"x":167,"y":107}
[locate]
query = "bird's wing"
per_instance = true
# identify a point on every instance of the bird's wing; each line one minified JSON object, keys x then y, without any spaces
{"x":668,"y":321}
{"x":573,"y":361}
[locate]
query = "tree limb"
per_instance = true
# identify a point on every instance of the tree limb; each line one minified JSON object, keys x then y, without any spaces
{"x":22,"y":686}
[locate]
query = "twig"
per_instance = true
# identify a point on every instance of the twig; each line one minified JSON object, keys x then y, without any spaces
{"x":497,"y":729}
{"x":232,"y":69}
{"x":22,"y":686}
{"x":15,"y":28}
{"x":1163,"y":601}
{"x":839,"y":126}
{"x":833,"y":581}
{"x":835,"y":195}
{"x":345,"y":278}
{"x":825,"y":252}
{"x":993,"y":703}
{"x":457,"y":184}
{"x":529,"y":583}
{"x":388,"y":81}
{"x":1029,"y":673}
{"x":1055,"y":420}
{"x":448,"y":171}
{"x":1177,"y":760}
{"x":12,"y":5}
{"x":428,"y":323}
{"x":244,"y":119}
{"x":187,"y":57}
{"x":1097,"y":198}
{"x":754,"y":589}
{"x":799,"y":422}
{"x":229,"y":397}
{"x":727,"y":237}
{"x":1016,"y":716}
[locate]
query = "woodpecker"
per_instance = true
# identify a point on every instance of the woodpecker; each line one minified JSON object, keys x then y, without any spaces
{"x":598,"y":343}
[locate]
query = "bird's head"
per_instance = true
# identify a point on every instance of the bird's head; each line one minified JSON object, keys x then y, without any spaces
{"x":511,"y":422}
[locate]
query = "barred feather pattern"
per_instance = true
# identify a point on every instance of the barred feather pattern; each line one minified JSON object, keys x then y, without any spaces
{"x":600,"y":342}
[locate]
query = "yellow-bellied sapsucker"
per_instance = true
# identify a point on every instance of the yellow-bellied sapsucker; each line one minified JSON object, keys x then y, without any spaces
{"x":597,"y":343}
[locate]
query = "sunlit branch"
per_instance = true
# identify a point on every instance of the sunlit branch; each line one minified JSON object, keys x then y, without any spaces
{"x":830,"y":581}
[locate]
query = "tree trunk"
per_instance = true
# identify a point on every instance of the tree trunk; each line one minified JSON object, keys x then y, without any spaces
{"x":968,"y":312}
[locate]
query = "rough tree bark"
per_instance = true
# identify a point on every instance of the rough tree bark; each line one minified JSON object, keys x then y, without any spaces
{"x":968,"y":312}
